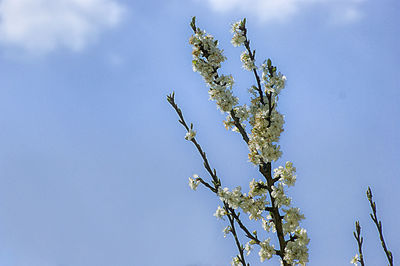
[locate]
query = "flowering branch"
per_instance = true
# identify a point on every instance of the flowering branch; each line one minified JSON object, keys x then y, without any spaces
{"x":251,"y":54}
{"x":378,"y":224}
{"x":266,"y":200}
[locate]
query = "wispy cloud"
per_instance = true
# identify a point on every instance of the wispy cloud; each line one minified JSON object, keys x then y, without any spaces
{"x":342,"y":11}
{"x":41,"y":26}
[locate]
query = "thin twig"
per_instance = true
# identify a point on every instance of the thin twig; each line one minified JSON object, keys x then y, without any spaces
{"x":359,"y":239}
{"x":232,"y":216}
{"x":378,"y":224}
{"x":252,"y":57}
{"x":233,"y":231}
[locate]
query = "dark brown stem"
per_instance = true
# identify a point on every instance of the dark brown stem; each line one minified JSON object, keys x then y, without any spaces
{"x":236,"y":121}
{"x":241,"y":225}
{"x":233,"y":231}
{"x":378,"y":224}
{"x":274,"y":211}
{"x":252,"y":57}
{"x":213,"y":173}
{"x":359,"y":239}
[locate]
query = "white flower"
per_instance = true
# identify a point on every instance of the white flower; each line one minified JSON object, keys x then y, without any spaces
{"x":234,"y":198}
{"x":268,"y":224}
{"x":286,"y":174}
{"x":226,"y":231}
{"x":273,"y":83}
{"x":257,"y":188}
{"x":278,"y":194}
{"x":220,"y":212}
{"x":248,"y":247}
{"x":296,"y":252}
{"x":266,"y":250}
{"x":292,"y":218}
{"x":190,"y":135}
{"x":194,"y":183}
{"x":248,"y":64}
{"x":266,"y":130}
{"x":354,"y":260}
{"x":238,"y":34}
{"x":236,"y":262}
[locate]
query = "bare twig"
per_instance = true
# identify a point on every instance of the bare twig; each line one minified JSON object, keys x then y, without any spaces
{"x":378,"y":224}
{"x":232,"y":216}
{"x":359,"y":239}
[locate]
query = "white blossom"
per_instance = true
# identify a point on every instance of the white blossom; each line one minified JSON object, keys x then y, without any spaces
{"x":268,"y":224}
{"x":354,"y":260}
{"x":236,"y":262}
{"x":226,"y":231}
{"x":296,"y":252}
{"x":279,"y":195}
{"x":273,"y":83}
{"x":190,"y":135}
{"x":238,"y":35}
{"x":248,"y":64}
{"x":257,"y":188}
{"x":286,"y":174}
{"x":248,"y":247}
{"x":220,"y":212}
{"x":194,"y":183}
{"x":236,"y":199}
{"x":266,"y":250}
{"x":292,"y":218}
{"x":207,"y":58}
{"x":266,"y":130}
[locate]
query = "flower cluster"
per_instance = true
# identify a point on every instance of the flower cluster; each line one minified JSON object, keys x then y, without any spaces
{"x":273,"y":82}
{"x":267,"y":128}
{"x":268,"y":224}
{"x":220,"y":212}
{"x":278,"y":193}
{"x":286,"y":174}
{"x":254,"y":207}
{"x":239,"y":35}
{"x":296,"y":252}
{"x":266,"y":250}
{"x":248,"y":63}
{"x":292,"y":218}
{"x":207,"y":59}
{"x":236,"y":262}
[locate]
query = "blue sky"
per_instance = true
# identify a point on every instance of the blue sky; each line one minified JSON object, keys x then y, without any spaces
{"x":94,"y":165}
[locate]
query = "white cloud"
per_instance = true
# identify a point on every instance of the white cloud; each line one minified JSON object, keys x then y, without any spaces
{"x":41,"y":26}
{"x":283,"y":10}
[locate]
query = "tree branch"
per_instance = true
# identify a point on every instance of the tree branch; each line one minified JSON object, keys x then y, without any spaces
{"x":378,"y":224}
{"x":359,"y":239}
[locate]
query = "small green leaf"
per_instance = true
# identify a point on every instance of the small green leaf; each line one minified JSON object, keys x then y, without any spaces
{"x":193,"y":24}
{"x":269,"y":63}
